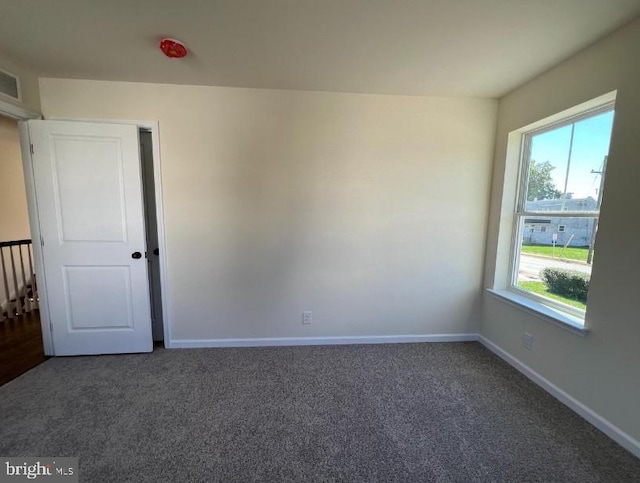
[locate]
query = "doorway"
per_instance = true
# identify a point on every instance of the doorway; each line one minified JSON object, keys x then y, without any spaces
{"x":152,"y":248}
{"x":96,"y":192}
{"x":21,"y":345}
{"x":151,"y":224}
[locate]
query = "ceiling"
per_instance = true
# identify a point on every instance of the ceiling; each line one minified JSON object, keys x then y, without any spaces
{"x":479,"y":48}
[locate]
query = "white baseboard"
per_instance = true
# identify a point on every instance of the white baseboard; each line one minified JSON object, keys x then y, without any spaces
{"x":611,"y":430}
{"x":293,"y":341}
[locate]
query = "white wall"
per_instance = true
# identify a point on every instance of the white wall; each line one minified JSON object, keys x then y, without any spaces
{"x":601,"y":370}
{"x":368,"y":210}
{"x":14,"y":217}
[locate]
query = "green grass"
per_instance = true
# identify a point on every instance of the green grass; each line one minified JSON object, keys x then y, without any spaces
{"x":540,"y":288}
{"x":569,"y":253}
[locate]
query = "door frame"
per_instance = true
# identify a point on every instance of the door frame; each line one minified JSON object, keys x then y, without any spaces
{"x":23,"y":115}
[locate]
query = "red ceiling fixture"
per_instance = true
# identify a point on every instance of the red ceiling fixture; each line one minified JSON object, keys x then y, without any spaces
{"x":172,"y":48}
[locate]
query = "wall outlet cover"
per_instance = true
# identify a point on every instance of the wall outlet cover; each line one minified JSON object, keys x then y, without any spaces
{"x":527,"y":341}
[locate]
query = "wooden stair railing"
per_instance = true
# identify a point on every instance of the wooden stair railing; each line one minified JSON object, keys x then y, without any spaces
{"x":18,"y":288}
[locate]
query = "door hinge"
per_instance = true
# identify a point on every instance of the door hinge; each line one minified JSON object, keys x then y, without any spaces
{"x":31,"y":148}
{"x":41,"y":241}
{"x":51,"y":326}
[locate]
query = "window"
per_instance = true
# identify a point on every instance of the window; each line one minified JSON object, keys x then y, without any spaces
{"x":561,"y":181}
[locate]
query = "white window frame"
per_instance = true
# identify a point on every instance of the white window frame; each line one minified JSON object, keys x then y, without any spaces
{"x":520,"y":213}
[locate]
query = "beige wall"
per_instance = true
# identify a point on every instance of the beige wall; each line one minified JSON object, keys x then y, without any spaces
{"x":28,"y":84}
{"x":601,"y":370}
{"x":368,"y":210}
{"x":14,"y":218}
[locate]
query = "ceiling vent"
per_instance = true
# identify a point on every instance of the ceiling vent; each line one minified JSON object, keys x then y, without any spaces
{"x":9,"y":85}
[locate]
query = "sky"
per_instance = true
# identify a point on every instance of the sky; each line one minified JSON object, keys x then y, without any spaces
{"x":590,"y":145}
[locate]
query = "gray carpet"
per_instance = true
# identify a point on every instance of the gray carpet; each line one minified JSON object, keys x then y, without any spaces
{"x":410,"y":412}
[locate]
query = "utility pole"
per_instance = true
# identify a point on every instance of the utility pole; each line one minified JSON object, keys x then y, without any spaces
{"x":594,"y":229}
{"x":566,"y":178}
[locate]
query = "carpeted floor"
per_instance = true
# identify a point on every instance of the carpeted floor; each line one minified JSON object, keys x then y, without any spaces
{"x":378,"y":413}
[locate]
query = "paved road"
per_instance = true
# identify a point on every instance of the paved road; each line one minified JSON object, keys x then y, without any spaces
{"x":530,"y":267}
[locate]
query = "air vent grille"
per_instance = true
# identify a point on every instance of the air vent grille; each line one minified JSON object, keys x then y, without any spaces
{"x":9,"y":85}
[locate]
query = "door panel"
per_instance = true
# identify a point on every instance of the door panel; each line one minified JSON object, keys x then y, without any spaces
{"x":89,"y":211}
{"x":89,"y":195}
{"x":95,"y":297}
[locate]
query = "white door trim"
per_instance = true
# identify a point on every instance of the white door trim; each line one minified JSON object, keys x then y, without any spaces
{"x":152,"y":126}
{"x":14,"y":111}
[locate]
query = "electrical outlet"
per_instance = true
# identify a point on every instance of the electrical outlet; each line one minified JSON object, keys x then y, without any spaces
{"x":306,"y":317}
{"x":527,"y":341}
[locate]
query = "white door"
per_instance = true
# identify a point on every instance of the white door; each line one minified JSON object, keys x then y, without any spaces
{"x":90,"y":209}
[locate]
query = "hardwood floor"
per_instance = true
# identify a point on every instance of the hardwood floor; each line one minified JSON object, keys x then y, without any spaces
{"x":20,"y":345}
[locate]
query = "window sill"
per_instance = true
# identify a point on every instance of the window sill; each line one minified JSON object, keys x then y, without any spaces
{"x":543,"y":312}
